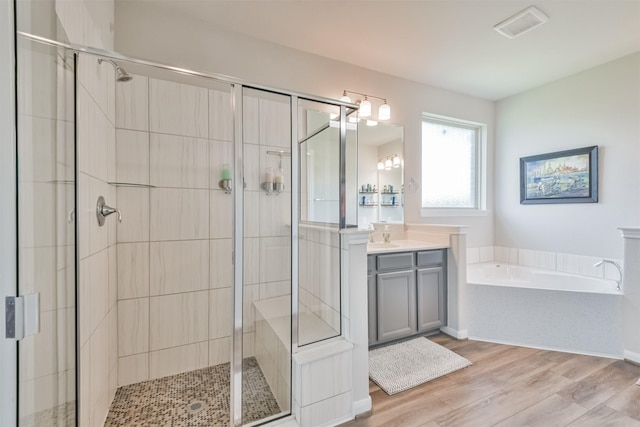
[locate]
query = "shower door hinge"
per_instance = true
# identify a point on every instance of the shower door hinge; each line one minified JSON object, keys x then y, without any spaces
{"x":22,"y":316}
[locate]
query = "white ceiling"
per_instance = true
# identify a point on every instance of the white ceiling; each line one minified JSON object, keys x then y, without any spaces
{"x":445,"y":43}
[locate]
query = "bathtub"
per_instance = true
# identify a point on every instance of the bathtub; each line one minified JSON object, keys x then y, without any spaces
{"x":545,"y":309}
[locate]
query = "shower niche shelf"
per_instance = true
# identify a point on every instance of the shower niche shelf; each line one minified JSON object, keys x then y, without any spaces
{"x":131,"y":184}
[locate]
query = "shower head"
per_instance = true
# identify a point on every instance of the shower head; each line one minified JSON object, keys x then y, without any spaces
{"x":121,"y":74}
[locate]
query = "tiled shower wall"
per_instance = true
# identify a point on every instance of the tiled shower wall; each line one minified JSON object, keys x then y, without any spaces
{"x":319,"y":281}
{"x":174,"y":244}
{"x":96,"y":245}
{"x":267,"y":219}
{"x":90,"y":23}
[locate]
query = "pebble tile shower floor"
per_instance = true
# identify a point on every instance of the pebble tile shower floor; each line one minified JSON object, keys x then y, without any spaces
{"x":195,"y":398}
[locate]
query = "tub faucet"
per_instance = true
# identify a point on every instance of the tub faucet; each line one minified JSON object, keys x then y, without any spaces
{"x":616,"y":265}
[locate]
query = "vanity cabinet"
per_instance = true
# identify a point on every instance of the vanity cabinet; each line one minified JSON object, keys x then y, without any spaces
{"x":406,"y":294}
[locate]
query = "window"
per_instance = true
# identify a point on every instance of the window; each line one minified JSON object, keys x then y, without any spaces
{"x":452,"y":166}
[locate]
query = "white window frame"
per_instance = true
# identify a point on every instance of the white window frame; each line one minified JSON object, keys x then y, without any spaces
{"x":480,"y":208}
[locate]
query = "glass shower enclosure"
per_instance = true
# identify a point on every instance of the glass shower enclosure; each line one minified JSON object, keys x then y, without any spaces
{"x":224,"y":262}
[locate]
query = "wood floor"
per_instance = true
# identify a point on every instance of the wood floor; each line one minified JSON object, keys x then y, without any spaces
{"x":515,"y":386}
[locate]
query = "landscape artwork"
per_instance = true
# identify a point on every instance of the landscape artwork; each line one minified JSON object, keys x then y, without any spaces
{"x":562,"y":177}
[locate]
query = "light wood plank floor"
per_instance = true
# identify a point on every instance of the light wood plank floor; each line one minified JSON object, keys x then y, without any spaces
{"x":515,"y":386}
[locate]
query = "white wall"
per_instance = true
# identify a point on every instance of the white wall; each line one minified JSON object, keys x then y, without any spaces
{"x":600,"y":107}
{"x":145,"y":31}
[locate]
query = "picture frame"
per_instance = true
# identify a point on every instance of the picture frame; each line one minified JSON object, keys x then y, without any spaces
{"x":569,"y":176}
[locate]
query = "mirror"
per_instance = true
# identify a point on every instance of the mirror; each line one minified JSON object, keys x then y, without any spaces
{"x":380,"y":191}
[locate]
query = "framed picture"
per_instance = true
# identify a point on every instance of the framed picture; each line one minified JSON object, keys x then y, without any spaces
{"x":563,"y":177}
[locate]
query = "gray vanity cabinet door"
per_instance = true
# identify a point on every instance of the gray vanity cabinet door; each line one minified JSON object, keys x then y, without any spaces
{"x":430,"y":289}
{"x":396,"y":292}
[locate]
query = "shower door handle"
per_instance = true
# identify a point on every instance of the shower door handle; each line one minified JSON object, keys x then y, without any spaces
{"x":103,"y":210}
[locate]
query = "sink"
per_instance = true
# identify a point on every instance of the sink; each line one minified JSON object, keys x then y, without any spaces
{"x":382,"y":245}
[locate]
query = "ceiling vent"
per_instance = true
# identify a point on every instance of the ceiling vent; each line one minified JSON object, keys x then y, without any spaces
{"x":521,"y":22}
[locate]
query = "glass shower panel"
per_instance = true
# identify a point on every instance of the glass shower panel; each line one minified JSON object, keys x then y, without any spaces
{"x":319,"y":243}
{"x":266,"y":367}
{"x":47,"y":233}
{"x":173,"y":145}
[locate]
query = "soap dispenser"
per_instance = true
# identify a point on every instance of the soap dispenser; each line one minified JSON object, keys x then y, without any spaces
{"x":386,"y":235}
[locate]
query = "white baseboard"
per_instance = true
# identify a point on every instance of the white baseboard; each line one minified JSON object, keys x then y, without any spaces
{"x":362,"y":406}
{"x":458,"y":334}
{"x":631,"y":356}
{"x":543,"y":347}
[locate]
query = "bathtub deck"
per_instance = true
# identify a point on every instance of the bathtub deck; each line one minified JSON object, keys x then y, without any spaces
{"x":515,"y":386}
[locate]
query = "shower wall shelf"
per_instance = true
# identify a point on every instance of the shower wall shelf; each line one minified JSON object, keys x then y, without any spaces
{"x":131,"y":184}
{"x":278,"y":153}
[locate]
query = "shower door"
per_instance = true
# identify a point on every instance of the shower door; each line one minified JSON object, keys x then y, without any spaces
{"x":264,"y":239}
{"x":42,"y":311}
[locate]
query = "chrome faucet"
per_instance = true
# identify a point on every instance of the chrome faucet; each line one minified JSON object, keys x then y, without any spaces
{"x":371,"y":231}
{"x":616,"y":265}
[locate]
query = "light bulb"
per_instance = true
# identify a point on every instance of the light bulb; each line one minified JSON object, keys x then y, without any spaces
{"x":372,"y":123}
{"x":396,"y":161}
{"x":365,"y":108}
{"x":388,"y":164}
{"x":384,"y":112}
{"x":380,"y":166}
{"x":345,"y":97}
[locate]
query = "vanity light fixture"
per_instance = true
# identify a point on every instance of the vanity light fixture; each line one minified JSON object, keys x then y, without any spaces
{"x":384,"y":112}
{"x":389,"y":162}
{"x":365,"y":111}
{"x":365,"y":107}
{"x":396,"y":161}
{"x":345,"y":97}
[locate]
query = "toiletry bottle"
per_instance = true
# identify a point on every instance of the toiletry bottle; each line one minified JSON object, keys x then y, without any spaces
{"x":371,"y":231}
{"x":386,"y":235}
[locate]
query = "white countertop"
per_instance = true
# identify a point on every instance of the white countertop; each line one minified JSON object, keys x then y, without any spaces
{"x":402,"y":246}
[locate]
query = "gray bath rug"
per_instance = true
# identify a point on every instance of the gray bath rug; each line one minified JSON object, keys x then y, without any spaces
{"x":401,"y":366}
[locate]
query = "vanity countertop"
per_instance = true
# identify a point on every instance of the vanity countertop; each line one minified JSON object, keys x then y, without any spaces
{"x":402,"y":246}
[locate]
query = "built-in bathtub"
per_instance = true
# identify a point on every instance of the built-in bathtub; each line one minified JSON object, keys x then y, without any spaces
{"x":544,"y":309}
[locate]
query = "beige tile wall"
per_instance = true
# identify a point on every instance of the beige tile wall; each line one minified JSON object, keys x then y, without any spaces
{"x":319,"y":291}
{"x":267,"y":221}
{"x":90,"y":23}
{"x":96,"y":245}
{"x":174,"y":247}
